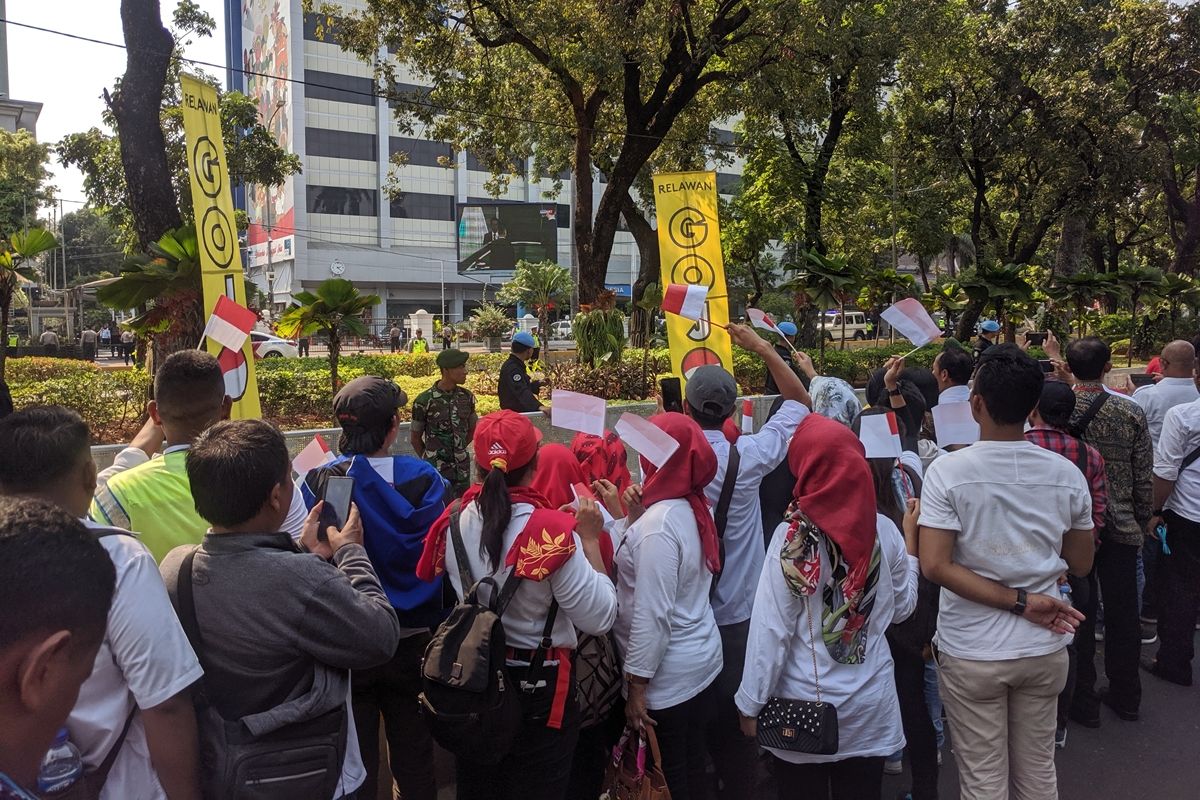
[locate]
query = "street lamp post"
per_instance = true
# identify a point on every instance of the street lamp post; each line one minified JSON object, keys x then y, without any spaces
{"x":270,"y":224}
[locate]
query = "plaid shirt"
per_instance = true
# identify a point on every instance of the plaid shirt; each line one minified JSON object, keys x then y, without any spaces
{"x":1077,"y":452}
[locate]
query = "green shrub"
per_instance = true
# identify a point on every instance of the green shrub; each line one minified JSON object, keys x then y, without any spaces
{"x":111,"y":402}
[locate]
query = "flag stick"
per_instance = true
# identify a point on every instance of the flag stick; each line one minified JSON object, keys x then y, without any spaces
{"x":910,"y":352}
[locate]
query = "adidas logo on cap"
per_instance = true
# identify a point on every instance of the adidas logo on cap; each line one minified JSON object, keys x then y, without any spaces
{"x":497,"y":449}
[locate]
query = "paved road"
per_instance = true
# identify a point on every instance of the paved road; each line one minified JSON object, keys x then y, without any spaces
{"x":1157,"y":758}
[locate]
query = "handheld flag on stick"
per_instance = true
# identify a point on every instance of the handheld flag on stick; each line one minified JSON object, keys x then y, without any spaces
{"x":653,"y":443}
{"x":911,"y":319}
{"x":880,"y":435}
{"x":314,"y":455}
{"x":685,"y":300}
{"x":230,"y":323}
{"x":747,"y":416}
{"x":577,"y":412}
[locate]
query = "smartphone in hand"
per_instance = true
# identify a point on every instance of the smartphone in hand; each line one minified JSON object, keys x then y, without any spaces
{"x":337,"y":504}
{"x":672,"y":394}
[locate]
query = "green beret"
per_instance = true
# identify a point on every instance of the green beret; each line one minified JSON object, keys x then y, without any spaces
{"x":449,"y":359}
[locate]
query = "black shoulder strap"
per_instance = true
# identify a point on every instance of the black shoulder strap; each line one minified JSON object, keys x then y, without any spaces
{"x":721,"y":514}
{"x":187,"y":601}
{"x":1189,"y":459}
{"x":460,"y":549}
{"x":99,"y":776}
{"x":1080,"y":428}
{"x":544,"y":644}
{"x":1081,"y":457}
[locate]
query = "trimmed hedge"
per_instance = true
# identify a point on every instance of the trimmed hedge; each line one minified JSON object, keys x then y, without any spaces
{"x":111,"y":402}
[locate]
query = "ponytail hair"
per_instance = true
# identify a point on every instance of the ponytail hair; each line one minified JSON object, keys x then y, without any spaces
{"x":495,"y":507}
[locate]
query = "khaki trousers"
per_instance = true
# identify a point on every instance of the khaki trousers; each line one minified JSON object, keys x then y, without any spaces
{"x":1002,"y":716}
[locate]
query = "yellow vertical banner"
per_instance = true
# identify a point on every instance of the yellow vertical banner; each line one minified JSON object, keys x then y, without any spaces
{"x":216,"y":233}
{"x":689,"y":244}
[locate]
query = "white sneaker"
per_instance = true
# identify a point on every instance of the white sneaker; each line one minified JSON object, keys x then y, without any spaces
{"x":893,"y":767}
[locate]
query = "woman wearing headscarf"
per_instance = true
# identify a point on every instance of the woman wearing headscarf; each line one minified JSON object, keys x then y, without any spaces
{"x":834,"y":398}
{"x":840,"y":570}
{"x":602,"y":458}
{"x":509,"y":532}
{"x":665,"y":626}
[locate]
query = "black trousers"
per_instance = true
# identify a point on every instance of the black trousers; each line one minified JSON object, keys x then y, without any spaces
{"x":1180,"y":593}
{"x":391,"y":690}
{"x":1082,"y":597}
{"x":539,"y":766}
{"x":1115,"y":572}
{"x":733,"y":755}
{"x":918,"y":725}
{"x":851,"y":779}
{"x":681,"y":732}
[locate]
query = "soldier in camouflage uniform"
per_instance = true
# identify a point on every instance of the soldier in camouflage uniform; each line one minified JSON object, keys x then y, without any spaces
{"x":443,"y":422}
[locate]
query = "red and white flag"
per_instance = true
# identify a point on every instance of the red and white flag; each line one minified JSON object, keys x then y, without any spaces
{"x":880,"y":435}
{"x":747,"y":416}
{"x":761,"y":319}
{"x":577,"y":412}
{"x":685,"y":299}
{"x":230,"y":323}
{"x":912,"y":320}
{"x":654,"y":444}
{"x":314,"y":455}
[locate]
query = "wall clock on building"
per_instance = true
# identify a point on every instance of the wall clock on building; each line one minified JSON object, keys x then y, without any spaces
{"x":337,"y":267}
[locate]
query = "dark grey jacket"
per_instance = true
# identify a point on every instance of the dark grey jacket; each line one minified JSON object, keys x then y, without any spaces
{"x":268,"y":614}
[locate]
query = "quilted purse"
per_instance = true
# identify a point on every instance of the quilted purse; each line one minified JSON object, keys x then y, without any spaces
{"x":801,"y":726}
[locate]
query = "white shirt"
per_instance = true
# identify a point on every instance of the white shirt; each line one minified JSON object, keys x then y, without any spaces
{"x":760,"y":453}
{"x":1180,"y":436}
{"x":1157,"y":398}
{"x":955,"y":394}
{"x":1010,"y":504}
{"x":587,"y":599}
{"x":145,"y":660}
{"x":665,"y":627}
{"x":779,"y":652}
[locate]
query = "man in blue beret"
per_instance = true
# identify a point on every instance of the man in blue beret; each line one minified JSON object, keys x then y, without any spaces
{"x":788,"y":329}
{"x":517,"y":392}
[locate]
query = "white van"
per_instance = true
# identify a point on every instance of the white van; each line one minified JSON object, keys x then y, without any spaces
{"x":856,"y":325}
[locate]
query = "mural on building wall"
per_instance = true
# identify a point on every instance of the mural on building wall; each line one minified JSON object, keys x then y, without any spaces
{"x":266,"y":58}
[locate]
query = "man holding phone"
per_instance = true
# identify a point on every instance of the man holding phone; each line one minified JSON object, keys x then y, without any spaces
{"x":398,"y":498}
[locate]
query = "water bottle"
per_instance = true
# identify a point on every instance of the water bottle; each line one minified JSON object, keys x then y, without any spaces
{"x":61,"y":767}
{"x":1064,"y":589}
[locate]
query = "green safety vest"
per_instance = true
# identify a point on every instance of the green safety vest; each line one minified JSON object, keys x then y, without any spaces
{"x":420,"y":346}
{"x":156,"y":499}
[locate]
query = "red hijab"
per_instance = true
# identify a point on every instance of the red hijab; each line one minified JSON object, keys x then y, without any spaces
{"x":602,"y":458}
{"x":557,"y":471}
{"x":689,"y":469}
{"x":834,"y":488}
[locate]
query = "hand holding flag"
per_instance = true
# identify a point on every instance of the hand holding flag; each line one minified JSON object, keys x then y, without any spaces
{"x":230,"y":323}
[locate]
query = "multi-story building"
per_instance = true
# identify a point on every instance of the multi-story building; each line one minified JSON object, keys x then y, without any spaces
{"x":334,"y":219}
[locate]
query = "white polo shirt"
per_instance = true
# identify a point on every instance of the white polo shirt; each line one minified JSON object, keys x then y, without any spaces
{"x":1160,"y":397}
{"x":145,"y":660}
{"x":1180,"y":436}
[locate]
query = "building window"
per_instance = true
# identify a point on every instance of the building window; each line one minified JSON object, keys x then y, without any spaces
{"x":728,"y":183}
{"x":343,"y":201}
{"x":341,"y":88}
{"x":422,"y":152}
{"x":340,"y":144}
{"x":564,"y":215}
{"x":409,"y":92}
{"x":723,"y":137}
{"x":322,"y":28}
{"x":419,"y":205}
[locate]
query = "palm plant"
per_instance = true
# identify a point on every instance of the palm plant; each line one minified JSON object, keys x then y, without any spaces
{"x":21,"y":248}
{"x":991,"y":285}
{"x":946,"y":297}
{"x":822,"y":282}
{"x":335,"y":307}
{"x":541,"y":285}
{"x":166,"y":283}
{"x":1179,"y":290}
{"x":1139,"y":283}
{"x":886,"y":286}
{"x":1080,"y":290}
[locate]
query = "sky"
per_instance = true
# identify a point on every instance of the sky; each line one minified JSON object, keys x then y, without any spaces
{"x":69,"y":76}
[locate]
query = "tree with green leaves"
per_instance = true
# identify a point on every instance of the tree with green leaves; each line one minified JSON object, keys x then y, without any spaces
{"x":538,"y":87}
{"x":138,"y":178}
{"x":825,"y":282}
{"x":92,"y":243}
{"x":542,"y":286}
{"x":883,"y":287}
{"x":15,"y":263}
{"x":994,"y":286}
{"x":1179,"y":291}
{"x":24,"y":182}
{"x":1138,"y":284}
{"x":334,"y":307}
{"x":1080,"y":289}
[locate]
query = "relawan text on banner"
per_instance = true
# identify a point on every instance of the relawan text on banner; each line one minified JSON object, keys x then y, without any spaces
{"x":689,"y":242}
{"x":220,"y":256}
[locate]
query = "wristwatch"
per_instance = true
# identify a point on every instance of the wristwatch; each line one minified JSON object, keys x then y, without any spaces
{"x":1019,"y":607}
{"x":894,"y":392}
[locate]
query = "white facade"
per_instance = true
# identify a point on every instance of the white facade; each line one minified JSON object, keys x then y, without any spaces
{"x":334,"y":219}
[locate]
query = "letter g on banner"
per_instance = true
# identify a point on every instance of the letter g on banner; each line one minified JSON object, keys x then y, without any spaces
{"x":688,"y":227}
{"x":207,"y":167}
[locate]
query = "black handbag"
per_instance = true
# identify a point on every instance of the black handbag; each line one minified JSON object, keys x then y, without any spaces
{"x":800,"y":726}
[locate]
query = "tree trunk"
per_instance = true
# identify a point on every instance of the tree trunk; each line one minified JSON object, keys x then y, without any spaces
{"x":923,"y":269}
{"x":649,"y":271}
{"x":136,"y":108}
{"x":1071,"y":253}
{"x":6,"y":296}
{"x":967,"y":322}
{"x":335,"y":348}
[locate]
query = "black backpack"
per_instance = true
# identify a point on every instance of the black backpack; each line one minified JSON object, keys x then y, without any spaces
{"x":468,"y":697}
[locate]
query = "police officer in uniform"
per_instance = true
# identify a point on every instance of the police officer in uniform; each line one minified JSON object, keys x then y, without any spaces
{"x":443,"y":422}
{"x":517,"y":392}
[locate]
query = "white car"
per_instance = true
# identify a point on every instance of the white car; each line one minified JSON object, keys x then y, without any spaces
{"x":561,"y":329}
{"x":269,"y":346}
{"x":856,"y":325}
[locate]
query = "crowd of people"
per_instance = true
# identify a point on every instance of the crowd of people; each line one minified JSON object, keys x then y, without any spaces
{"x":195,"y":621}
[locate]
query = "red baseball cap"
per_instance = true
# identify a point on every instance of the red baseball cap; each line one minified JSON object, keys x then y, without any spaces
{"x":505,"y":440}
